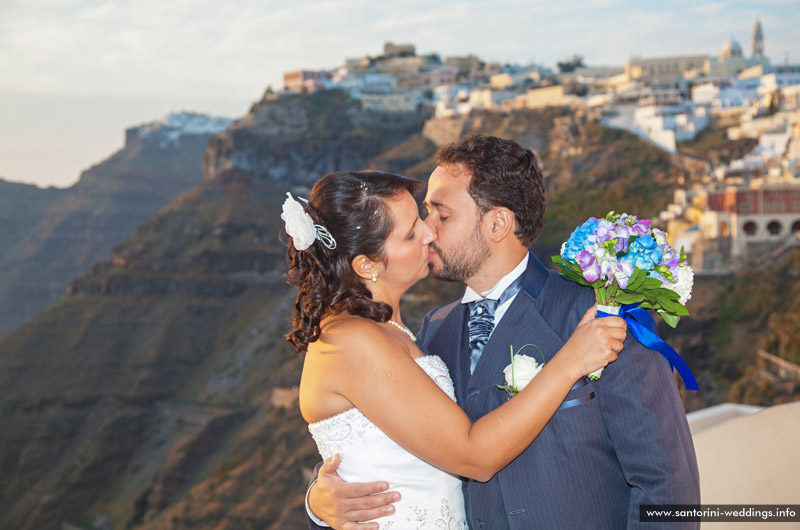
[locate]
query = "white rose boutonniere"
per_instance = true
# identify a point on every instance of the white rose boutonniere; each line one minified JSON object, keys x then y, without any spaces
{"x":521,"y":371}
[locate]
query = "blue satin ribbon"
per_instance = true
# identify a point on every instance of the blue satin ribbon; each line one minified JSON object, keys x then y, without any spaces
{"x":643,"y":327}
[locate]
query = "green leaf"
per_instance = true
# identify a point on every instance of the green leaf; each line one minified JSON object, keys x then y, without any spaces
{"x":574,"y":277}
{"x":568,"y":273}
{"x":670,"y":319}
{"x":575,"y":267}
{"x":672,"y":307}
{"x":629,"y":298}
{"x":670,"y":294}
{"x":558,"y":260}
{"x":636,"y":280}
{"x":652,"y":294}
{"x":651,"y":283}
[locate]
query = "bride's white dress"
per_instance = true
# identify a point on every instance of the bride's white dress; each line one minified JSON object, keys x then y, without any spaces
{"x":431,"y":498}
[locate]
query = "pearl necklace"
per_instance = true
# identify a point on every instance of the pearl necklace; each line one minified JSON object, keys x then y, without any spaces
{"x":403,"y":329}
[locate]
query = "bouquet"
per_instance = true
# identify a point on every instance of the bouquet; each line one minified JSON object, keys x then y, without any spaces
{"x":631,"y":268}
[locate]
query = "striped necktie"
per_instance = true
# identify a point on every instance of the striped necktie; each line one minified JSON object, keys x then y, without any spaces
{"x":481,"y":321}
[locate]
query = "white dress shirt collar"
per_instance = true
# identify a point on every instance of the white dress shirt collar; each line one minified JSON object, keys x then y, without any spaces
{"x":494,"y":293}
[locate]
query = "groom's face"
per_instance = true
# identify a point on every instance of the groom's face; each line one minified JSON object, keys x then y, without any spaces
{"x":460,"y":249}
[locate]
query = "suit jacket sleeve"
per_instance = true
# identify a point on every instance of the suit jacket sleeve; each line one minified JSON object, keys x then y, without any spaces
{"x":644,"y":417}
{"x":313,"y":522}
{"x":423,"y":329}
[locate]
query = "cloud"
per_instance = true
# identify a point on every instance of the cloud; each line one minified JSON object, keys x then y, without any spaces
{"x":205,"y":48}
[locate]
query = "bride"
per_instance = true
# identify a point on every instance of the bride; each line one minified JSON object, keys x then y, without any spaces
{"x":369,"y":394}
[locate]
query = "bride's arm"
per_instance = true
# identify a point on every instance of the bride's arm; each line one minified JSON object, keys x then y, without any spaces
{"x":378,"y":376}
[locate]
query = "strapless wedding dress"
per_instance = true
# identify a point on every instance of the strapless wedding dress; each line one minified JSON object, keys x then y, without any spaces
{"x":431,"y":498}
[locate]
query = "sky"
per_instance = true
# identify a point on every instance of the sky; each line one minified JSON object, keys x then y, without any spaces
{"x":75,"y":73}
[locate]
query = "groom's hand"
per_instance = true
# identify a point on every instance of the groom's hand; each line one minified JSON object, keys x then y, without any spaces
{"x":344,"y":504}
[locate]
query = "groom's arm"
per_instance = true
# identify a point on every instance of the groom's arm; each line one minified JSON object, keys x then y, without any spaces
{"x":643,"y":413}
{"x":342,"y":505}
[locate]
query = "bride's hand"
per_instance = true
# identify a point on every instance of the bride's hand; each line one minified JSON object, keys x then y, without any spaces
{"x":595,"y":342}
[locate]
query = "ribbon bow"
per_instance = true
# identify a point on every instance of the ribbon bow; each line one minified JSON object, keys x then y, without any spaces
{"x":643,"y":327}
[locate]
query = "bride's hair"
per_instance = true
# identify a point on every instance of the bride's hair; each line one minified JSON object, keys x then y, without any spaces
{"x":352,"y":206}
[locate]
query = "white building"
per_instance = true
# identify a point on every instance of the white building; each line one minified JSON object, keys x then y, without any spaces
{"x":745,"y":222}
{"x":753,"y":127}
{"x":665,"y":125}
{"x":393,"y":102}
{"x":486,"y":98}
{"x":723,"y":96}
{"x":775,"y":81}
{"x":361,"y":82}
{"x":512,"y":79}
{"x":451,"y":100}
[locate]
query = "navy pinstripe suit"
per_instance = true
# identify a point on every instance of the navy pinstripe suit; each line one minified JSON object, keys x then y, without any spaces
{"x":624,"y":442}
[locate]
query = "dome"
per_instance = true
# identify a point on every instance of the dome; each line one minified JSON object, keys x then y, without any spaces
{"x":731,"y":49}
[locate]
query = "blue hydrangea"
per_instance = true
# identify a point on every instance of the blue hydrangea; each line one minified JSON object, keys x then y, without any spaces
{"x":579,"y":240}
{"x":644,"y":253}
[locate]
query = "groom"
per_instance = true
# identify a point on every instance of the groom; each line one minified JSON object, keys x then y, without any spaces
{"x":614,"y":444}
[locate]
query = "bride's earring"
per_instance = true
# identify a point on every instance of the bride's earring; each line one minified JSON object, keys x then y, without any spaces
{"x":374,"y":276}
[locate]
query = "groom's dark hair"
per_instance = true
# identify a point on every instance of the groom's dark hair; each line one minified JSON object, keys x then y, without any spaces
{"x":503,"y":173}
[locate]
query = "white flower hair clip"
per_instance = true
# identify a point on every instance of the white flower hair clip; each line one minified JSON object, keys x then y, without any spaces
{"x":301,"y":227}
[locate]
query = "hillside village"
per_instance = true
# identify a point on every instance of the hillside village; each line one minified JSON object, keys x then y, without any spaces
{"x":740,"y":210}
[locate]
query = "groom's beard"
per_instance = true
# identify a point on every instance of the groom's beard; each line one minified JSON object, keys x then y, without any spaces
{"x":464,"y":261}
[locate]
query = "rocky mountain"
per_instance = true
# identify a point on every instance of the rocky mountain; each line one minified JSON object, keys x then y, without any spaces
{"x":160,"y":393}
{"x":50,"y":236}
{"x":22,"y":206}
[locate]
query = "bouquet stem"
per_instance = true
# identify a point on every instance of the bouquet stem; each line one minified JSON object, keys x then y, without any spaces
{"x":611,"y":310}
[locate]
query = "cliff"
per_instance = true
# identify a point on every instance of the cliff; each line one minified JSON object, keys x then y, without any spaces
{"x":58,"y":234}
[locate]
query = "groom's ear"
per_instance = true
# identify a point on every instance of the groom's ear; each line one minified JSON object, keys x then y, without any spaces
{"x":502,"y":222}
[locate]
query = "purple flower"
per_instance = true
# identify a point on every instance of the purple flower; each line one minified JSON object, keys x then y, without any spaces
{"x":622,"y":231}
{"x":641,"y":228}
{"x":592,"y":272}
{"x":585,"y":259}
{"x":671,"y":261}
{"x":604,"y":231}
{"x":623,"y":273}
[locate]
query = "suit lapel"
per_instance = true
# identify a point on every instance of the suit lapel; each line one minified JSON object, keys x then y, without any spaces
{"x":522,"y":324}
{"x":449,"y":343}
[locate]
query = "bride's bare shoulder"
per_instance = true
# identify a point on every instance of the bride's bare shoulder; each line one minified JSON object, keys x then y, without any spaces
{"x":350,"y":331}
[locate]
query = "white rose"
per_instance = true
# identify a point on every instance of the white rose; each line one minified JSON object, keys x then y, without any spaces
{"x":660,"y":236}
{"x":525,"y":369}
{"x":298,"y":223}
{"x":684,"y":281}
